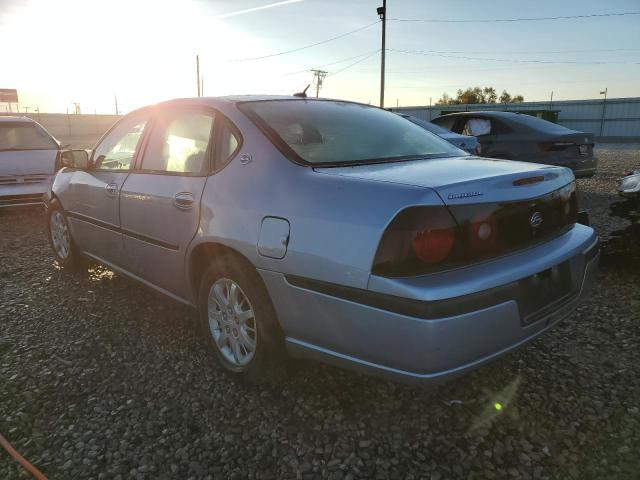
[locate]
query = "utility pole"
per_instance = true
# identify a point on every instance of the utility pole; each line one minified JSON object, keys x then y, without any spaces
{"x":318,"y":79}
{"x":198,"y":73}
{"x":551,"y":101}
{"x":26,"y":109}
{"x":382,"y":13}
{"x":115,"y":98}
{"x":604,"y":109}
{"x":202,"y":86}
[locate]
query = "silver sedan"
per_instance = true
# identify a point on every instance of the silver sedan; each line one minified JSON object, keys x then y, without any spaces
{"x":334,"y":230}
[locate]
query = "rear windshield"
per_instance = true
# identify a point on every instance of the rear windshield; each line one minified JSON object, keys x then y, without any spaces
{"x":321,"y":132}
{"x":24,"y":136}
{"x":541,"y":125}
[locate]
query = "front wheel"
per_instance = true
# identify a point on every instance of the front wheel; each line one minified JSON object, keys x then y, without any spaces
{"x":237,"y":317}
{"x":62,"y":245}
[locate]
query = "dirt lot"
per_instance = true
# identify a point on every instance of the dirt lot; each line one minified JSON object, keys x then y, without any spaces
{"x":101,"y":378}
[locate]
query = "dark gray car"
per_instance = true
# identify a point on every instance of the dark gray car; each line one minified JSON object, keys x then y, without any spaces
{"x":516,"y":136}
{"x":468,"y":143}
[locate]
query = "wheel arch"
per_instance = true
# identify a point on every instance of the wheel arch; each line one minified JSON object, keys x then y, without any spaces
{"x":200,"y":258}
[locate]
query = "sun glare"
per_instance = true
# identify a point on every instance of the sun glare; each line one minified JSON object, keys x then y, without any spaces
{"x":143,"y":51}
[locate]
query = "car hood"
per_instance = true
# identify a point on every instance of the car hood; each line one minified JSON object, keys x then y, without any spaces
{"x":461,"y":180}
{"x":27,"y":162}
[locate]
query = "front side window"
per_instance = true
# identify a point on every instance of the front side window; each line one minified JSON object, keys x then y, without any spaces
{"x":18,"y":136}
{"x":179,"y":143}
{"x":117,"y":150}
{"x":320,"y":132}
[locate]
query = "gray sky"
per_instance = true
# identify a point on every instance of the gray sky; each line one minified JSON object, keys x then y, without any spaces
{"x":85,"y":51}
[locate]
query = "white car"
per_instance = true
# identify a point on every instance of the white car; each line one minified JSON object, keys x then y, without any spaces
{"x":28,"y":155}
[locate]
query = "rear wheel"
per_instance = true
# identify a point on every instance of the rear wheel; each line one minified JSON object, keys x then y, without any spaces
{"x":237,"y":318}
{"x":64,"y":249}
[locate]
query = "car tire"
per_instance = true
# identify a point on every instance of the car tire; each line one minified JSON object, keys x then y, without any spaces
{"x":237,"y":318}
{"x":62,"y":245}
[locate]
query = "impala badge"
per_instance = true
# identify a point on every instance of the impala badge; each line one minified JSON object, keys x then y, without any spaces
{"x":453,"y":196}
{"x":536,"y":220}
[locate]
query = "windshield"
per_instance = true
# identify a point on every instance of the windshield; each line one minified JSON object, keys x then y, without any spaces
{"x":337,"y":133}
{"x":432,"y":127}
{"x":24,"y":136}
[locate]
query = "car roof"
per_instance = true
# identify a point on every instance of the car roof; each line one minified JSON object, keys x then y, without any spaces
{"x":234,"y":99}
{"x":12,"y":119}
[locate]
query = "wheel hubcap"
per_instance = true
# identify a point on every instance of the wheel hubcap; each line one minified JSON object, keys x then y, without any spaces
{"x":60,"y":235}
{"x":232,"y":322}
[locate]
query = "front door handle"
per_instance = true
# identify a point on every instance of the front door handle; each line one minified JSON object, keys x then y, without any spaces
{"x":112,"y":189}
{"x":183,"y":200}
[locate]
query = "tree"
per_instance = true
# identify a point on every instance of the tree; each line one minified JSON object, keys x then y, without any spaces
{"x":505,"y":97}
{"x":477,"y":95}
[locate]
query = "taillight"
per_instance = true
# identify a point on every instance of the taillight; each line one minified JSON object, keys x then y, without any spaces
{"x":569,"y":201}
{"x":478,"y":149}
{"x":422,"y":240}
{"x":418,"y":240}
{"x":483,"y":232}
{"x":433,"y":245}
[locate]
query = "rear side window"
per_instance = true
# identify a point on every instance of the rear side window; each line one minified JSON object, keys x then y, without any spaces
{"x":179,"y":143}
{"x":228,"y":143}
{"x":24,"y":136}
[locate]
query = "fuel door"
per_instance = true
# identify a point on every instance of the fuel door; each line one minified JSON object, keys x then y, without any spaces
{"x":274,"y":237}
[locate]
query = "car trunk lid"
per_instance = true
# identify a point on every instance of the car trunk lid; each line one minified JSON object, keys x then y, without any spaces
{"x":465,"y":180}
{"x":571,"y":144}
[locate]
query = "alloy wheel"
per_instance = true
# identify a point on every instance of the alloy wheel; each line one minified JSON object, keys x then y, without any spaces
{"x":60,"y":235}
{"x":232,"y":322}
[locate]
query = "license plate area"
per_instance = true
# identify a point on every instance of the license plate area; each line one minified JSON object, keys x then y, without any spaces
{"x":584,"y":150}
{"x":544,"y":292}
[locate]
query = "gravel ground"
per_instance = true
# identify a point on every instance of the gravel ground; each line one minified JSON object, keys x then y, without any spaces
{"x":102,"y":378}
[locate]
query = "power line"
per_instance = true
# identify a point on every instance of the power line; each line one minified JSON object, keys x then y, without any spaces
{"x":333,"y":63}
{"x":307,"y":46}
{"x":526,"y":19}
{"x":434,"y":53}
{"x":353,"y":64}
{"x":520,"y":52}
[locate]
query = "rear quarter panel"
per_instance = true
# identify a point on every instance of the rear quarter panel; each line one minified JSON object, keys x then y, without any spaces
{"x":335,"y":222}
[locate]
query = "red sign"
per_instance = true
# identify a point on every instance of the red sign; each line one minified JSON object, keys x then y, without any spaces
{"x":8,"y":95}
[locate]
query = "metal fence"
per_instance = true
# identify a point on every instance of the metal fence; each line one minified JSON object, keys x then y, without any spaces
{"x":615,"y":119}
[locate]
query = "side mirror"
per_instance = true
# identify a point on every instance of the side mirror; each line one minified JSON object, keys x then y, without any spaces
{"x":75,"y":159}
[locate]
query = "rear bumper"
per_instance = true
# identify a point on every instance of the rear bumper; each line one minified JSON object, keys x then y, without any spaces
{"x":397,"y":345}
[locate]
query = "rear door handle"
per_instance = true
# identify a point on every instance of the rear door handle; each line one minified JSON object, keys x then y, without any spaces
{"x":112,"y":189}
{"x":183,"y":200}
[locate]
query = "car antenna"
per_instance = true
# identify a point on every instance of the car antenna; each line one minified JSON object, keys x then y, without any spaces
{"x":302,"y":94}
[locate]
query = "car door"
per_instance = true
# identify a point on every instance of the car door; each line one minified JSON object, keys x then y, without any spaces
{"x":160,"y":199}
{"x":92,"y":198}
